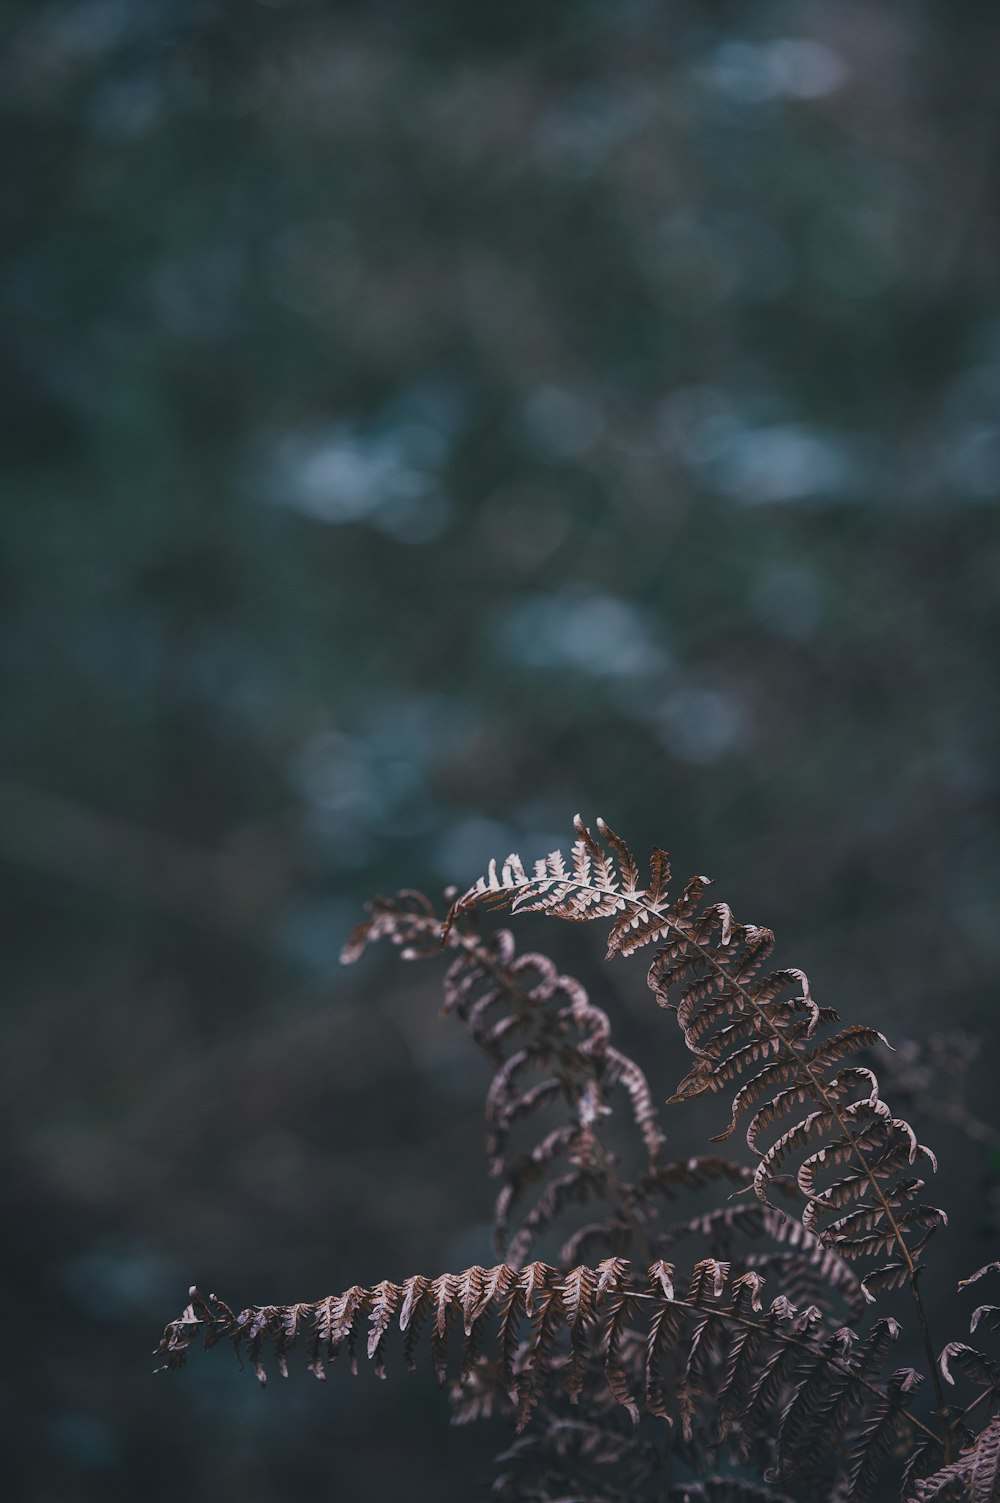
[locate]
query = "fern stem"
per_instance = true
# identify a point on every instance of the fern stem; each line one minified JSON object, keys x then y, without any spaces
{"x":986,"y":1394}
{"x":931,"y":1362}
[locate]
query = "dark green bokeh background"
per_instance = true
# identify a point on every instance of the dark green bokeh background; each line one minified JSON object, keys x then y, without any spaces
{"x":423,"y":420}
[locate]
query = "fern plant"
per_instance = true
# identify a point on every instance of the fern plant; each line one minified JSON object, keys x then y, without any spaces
{"x":733,"y":1353}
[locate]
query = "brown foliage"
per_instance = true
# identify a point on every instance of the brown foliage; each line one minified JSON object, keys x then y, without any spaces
{"x":787,"y":1386}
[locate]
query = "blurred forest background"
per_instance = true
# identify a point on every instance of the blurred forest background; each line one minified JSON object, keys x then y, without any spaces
{"x":423,"y":420}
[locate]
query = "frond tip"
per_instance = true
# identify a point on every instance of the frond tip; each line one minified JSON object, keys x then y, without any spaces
{"x":599,"y":881}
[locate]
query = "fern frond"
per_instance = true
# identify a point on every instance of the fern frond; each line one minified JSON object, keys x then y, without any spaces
{"x":736,"y":1016}
{"x":740,"y":1371}
{"x":974,"y":1477}
{"x":975,"y":1366}
{"x":979,"y":1274}
{"x":543,"y":1304}
{"x":771,"y":1379}
{"x":776,"y":1376}
{"x":621,"y":1308}
{"x":985,"y":1473}
{"x":925,"y":1457}
{"x":549,"y":1044}
{"x":818,"y":1414}
{"x":663,"y":1339}
{"x":891,"y":1276}
{"x":877,"y":1442}
{"x":987,"y":1316}
{"x":813,"y":1404}
{"x":407,"y":920}
{"x":579,"y":1350}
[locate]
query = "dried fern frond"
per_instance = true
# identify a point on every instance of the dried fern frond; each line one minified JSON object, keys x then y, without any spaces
{"x":980,"y":1273}
{"x":877,"y":1443}
{"x":973,"y":1366}
{"x":973,"y":1478}
{"x":550,"y":1046}
{"x":581,"y":1350}
{"x":847,"y":1152}
{"x":776,"y":1376}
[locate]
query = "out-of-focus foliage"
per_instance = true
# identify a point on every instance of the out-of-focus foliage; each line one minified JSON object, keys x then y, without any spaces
{"x":422,"y":420}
